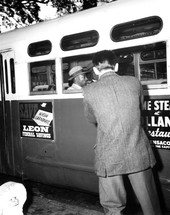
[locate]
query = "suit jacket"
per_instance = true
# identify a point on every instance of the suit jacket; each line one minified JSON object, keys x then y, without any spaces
{"x":113,"y":103}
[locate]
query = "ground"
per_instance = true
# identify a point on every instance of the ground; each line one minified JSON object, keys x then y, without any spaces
{"x":49,"y":200}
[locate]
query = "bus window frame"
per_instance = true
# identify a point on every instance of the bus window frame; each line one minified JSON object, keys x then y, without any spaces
{"x":134,"y":26}
{"x":43,"y":88}
{"x":136,"y":51}
{"x":84,"y":60}
{"x":39,"y":43}
{"x":78,"y":45}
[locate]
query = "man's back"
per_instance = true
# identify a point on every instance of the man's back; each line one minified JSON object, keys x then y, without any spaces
{"x":120,"y":101}
{"x":115,"y":105}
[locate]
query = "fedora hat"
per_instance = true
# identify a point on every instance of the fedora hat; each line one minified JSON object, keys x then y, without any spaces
{"x":76,"y":70}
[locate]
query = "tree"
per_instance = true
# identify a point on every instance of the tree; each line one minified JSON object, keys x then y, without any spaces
{"x":17,"y":13}
{"x":72,"y":6}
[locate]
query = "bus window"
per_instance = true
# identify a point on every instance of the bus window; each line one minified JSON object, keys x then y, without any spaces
{"x":156,"y":72}
{"x":136,"y":29}
{"x":80,"y":40}
{"x":126,"y":65}
{"x":147,"y":62}
{"x":153,"y":65}
{"x":39,"y":48}
{"x":12,"y":68}
{"x":85,"y":61}
{"x":42,"y":76}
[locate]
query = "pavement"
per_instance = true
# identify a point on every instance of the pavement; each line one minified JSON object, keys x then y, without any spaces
{"x":49,"y":200}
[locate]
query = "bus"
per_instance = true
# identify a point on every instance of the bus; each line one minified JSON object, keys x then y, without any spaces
{"x":44,"y":134}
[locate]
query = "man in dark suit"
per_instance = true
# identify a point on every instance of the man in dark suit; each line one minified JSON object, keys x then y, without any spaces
{"x":113,"y":104}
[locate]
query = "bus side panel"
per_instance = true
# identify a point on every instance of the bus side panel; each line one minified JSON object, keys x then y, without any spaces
{"x":77,"y":135}
{"x":68,"y":159}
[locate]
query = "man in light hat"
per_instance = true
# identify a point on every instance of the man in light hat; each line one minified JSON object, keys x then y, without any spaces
{"x":77,"y":75}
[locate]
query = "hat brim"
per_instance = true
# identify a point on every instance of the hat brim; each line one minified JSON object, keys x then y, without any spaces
{"x":76,"y":74}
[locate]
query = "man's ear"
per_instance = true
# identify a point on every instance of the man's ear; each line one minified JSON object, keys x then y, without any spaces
{"x":116,"y":67}
{"x":96,"y":71}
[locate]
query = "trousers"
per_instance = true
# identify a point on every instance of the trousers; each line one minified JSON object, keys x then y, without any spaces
{"x":113,"y":195}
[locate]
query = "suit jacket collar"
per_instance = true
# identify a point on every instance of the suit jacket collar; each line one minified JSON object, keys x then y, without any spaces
{"x":108,"y":74}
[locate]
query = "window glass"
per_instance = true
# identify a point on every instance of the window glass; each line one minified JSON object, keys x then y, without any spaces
{"x":153,"y":65}
{"x":12,"y":68}
{"x":126,"y":65}
{"x":147,"y":55}
{"x":77,"y":62}
{"x":80,"y":40}
{"x":42,"y":76}
{"x":39,"y":48}
{"x":153,"y":73}
{"x":136,"y":29}
{"x":156,"y":54}
{"x":147,"y":62}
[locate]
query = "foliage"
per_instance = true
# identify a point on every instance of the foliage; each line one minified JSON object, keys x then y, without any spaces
{"x":19,"y":13}
{"x":27,"y":10}
{"x":72,"y":6}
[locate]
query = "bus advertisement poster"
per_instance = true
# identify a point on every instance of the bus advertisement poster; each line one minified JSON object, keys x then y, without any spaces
{"x":157,"y":121}
{"x":36,"y":120}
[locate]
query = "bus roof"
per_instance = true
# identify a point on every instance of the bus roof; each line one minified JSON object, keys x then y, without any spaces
{"x":113,"y":13}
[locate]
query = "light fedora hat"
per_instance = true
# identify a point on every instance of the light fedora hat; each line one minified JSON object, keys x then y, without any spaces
{"x":76,"y":70}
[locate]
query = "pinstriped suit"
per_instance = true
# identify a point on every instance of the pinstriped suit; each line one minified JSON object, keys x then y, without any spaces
{"x":122,"y":147}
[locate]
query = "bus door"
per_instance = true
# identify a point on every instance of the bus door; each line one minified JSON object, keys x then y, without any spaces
{"x":7,"y":87}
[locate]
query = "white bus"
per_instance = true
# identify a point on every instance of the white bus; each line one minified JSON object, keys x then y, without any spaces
{"x":44,"y":134}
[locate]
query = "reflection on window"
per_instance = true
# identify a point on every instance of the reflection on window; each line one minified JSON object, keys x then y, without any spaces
{"x":85,"y":61}
{"x":43,"y":77}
